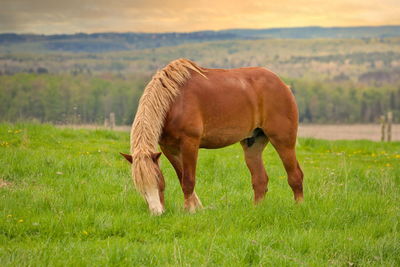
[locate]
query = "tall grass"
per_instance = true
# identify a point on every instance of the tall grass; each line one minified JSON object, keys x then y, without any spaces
{"x":67,"y":199}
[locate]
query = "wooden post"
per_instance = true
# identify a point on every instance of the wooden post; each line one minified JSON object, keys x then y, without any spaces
{"x":106,"y":123}
{"x":389,"y":126}
{"x":112,"y":120}
{"x":383,"y":127}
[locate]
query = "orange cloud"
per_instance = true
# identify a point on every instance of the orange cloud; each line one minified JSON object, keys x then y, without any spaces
{"x":53,"y":16}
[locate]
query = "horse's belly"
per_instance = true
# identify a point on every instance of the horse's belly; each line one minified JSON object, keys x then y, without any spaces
{"x":223,"y":137}
{"x":212,"y":144}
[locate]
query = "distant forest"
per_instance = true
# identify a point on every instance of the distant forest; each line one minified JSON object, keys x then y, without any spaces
{"x":338,"y":75}
{"x":89,"y":99}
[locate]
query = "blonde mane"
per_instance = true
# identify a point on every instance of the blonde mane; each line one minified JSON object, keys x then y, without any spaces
{"x":149,"y":120}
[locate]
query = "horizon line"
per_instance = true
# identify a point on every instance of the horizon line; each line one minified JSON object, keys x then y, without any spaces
{"x":206,"y":30}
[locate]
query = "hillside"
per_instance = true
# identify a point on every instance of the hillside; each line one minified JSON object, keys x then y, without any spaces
{"x":105,"y":42}
{"x":335,"y":80}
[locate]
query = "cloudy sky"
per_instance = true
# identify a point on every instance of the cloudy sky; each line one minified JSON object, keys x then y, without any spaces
{"x":71,"y":16}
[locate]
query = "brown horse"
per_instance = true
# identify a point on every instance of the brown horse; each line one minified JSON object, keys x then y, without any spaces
{"x":186,"y":107}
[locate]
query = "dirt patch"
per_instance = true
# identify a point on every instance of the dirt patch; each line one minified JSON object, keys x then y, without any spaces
{"x":347,"y":132}
{"x":320,"y":131}
{"x":4,"y":183}
{"x":120,"y":128}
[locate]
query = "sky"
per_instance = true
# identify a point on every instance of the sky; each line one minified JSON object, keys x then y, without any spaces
{"x":72,"y":16}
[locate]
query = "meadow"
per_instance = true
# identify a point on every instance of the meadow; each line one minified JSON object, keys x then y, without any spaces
{"x":67,"y":199}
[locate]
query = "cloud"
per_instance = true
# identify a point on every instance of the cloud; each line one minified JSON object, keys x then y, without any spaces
{"x":56,"y":16}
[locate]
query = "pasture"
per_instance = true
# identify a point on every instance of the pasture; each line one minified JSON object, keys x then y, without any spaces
{"x":67,"y":198}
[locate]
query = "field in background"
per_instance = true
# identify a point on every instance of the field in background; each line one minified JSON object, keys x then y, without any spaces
{"x":334,"y":80}
{"x":346,"y":132}
{"x":66,"y":198}
{"x":320,"y":131}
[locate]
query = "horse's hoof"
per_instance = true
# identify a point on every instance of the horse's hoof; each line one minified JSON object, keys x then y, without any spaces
{"x":258,"y":201}
{"x":299,"y":199}
{"x":193,"y":203}
{"x":156,"y":210}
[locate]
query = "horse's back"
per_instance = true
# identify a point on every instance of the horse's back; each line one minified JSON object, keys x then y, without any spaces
{"x":228,"y":105}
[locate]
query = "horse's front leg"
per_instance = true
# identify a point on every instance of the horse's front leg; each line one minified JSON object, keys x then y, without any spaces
{"x":189,"y":151}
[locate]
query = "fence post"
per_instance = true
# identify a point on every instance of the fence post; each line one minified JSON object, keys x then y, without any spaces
{"x":383,"y":127}
{"x":112,"y":120}
{"x":106,"y":123}
{"x":389,"y":126}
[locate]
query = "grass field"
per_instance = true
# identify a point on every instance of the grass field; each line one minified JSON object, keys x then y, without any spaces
{"x":67,"y":198}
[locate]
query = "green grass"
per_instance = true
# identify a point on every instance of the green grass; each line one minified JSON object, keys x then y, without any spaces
{"x":69,"y":200}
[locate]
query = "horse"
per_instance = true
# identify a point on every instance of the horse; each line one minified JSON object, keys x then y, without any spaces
{"x":186,"y":107}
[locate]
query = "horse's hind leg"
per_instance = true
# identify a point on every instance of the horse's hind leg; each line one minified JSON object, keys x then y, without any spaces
{"x":253,"y":148}
{"x":285,"y":146}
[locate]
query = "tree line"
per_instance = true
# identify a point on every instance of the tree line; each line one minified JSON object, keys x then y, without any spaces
{"x":344,"y":101}
{"x":69,"y":99}
{"x":90,"y":99}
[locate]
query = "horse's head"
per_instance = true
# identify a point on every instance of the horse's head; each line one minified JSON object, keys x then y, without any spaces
{"x":148,"y":179}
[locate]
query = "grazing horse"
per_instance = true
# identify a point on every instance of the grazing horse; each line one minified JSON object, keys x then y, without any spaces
{"x":186,"y":107}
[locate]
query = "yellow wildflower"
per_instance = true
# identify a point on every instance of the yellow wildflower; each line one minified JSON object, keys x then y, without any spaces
{"x":4,"y":143}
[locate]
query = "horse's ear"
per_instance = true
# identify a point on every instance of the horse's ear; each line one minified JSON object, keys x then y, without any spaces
{"x":155,"y":156}
{"x":127,"y":157}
